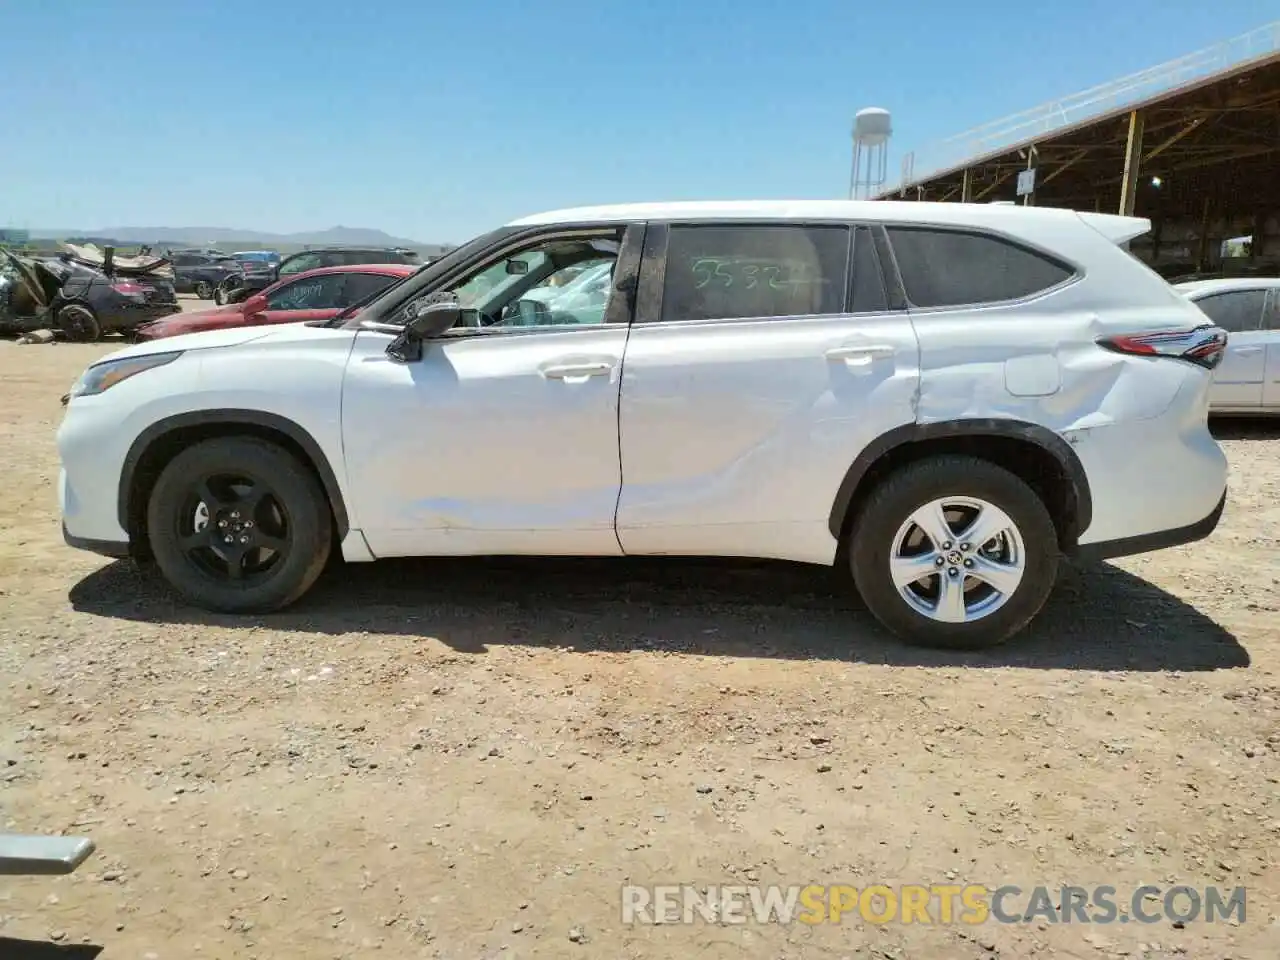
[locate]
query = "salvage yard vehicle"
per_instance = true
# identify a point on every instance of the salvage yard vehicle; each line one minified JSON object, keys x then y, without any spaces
{"x":84,"y":293}
{"x":255,"y":277}
{"x":314,"y":295}
{"x":200,"y":273}
{"x":941,"y":399}
{"x":1248,"y":308}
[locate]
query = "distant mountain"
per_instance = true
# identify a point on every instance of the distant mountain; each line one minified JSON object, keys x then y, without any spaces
{"x":203,"y":236}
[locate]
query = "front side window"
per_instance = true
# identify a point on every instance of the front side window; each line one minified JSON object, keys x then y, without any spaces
{"x":722,"y":272}
{"x":1239,"y":311}
{"x":309,"y":293}
{"x":555,"y":282}
{"x":948,"y":268}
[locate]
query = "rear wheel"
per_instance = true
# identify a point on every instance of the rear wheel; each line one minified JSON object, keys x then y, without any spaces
{"x":954,"y":552}
{"x":204,"y":289}
{"x":78,"y":323}
{"x":237,"y":524}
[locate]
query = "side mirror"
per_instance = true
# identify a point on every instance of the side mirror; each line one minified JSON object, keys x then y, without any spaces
{"x":517,"y":267}
{"x":431,"y":318}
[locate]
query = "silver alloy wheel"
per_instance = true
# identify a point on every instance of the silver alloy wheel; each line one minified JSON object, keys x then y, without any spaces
{"x":957,"y":559}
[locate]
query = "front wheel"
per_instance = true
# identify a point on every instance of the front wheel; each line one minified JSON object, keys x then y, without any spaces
{"x":222,"y":292}
{"x":239,"y":525}
{"x":78,"y":323}
{"x":954,"y":552}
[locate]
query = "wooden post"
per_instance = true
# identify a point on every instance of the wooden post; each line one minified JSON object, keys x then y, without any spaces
{"x":1202,"y":257}
{"x":1132,"y":160}
{"x":966,"y":186}
{"x":1028,"y":199}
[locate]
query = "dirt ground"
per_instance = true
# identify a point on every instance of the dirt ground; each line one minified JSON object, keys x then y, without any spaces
{"x":469,"y":759}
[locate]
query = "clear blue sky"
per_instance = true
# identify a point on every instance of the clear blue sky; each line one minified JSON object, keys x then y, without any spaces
{"x":436,"y":120}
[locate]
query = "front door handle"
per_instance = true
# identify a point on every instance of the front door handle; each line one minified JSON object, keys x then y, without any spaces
{"x":861,"y":355}
{"x":1246,"y":351}
{"x":577,"y":371}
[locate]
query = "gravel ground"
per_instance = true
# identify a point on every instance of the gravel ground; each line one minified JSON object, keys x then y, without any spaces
{"x":468,"y":759}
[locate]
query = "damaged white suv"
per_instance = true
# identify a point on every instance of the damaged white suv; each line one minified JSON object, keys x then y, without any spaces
{"x":943,"y":398}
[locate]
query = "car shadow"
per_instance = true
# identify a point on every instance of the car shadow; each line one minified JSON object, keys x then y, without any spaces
{"x":1245,"y":428}
{"x":1099,"y":616}
{"x":11,"y":949}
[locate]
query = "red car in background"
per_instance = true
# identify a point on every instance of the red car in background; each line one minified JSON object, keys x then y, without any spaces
{"x":314,"y":295}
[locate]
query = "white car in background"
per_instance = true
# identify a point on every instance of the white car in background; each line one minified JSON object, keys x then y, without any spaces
{"x":1248,"y":308}
{"x":941,"y":399}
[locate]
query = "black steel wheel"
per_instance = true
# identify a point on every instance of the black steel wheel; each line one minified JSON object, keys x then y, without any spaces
{"x":222,"y":291}
{"x":204,"y":290}
{"x":238,"y":524}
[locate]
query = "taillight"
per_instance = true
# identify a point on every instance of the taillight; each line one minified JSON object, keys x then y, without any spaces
{"x":1203,"y":345}
{"x":129,"y":289}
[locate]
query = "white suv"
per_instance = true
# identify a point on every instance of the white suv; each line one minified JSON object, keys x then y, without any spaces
{"x":944,"y":398}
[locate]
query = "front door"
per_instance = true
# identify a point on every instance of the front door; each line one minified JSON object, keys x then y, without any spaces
{"x":764,"y":358}
{"x":1271,"y":334}
{"x":1237,"y":383}
{"x":503,"y":437}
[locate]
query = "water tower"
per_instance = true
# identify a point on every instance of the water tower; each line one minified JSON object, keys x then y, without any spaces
{"x":872,"y":128}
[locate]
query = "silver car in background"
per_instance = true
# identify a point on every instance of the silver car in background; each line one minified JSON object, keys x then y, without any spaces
{"x":1248,"y":308}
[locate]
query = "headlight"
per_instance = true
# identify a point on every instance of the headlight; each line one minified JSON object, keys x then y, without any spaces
{"x":104,"y":376}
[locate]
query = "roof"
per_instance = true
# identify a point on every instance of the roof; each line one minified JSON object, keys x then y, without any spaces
{"x":1198,"y":288}
{"x":385,"y":269}
{"x":901,"y":211}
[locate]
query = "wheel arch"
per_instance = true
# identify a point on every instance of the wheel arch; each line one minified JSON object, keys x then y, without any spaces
{"x":1042,"y":458}
{"x":152,"y":450}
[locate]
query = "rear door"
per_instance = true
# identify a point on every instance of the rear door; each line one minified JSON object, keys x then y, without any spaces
{"x":764,"y":357}
{"x":1237,"y":383}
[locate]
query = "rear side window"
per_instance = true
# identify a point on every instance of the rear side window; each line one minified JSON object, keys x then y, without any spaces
{"x":945,"y":268}
{"x":743,"y":272}
{"x":363,"y":285}
{"x":1236,"y":312}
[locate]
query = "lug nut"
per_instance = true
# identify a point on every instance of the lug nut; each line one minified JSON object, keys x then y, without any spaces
{"x":235,"y":514}
{"x":229,"y":539}
{"x":222,"y":524}
{"x":954,"y":572}
{"x":244,"y":539}
{"x":939,"y":562}
{"x":968,"y":563}
{"x":947,"y":545}
{"x":966,"y":547}
{"x":248,"y":524}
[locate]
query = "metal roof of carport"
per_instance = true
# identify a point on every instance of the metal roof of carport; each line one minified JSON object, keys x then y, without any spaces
{"x":1090,"y":127}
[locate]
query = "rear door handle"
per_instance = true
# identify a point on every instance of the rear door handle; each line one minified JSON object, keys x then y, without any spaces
{"x":861,"y":355}
{"x":577,"y":371}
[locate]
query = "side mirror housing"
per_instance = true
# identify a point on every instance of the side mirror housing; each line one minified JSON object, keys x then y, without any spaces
{"x":432,"y":318}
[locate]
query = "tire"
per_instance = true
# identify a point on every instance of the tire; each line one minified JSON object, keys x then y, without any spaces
{"x":204,"y":290}
{"x":289,"y":539}
{"x":917,"y":611}
{"x":222,"y":292}
{"x":78,"y":323}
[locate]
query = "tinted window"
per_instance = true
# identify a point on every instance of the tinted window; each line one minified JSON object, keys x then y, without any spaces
{"x":1272,"y":320}
{"x":1237,"y":311}
{"x":363,"y":285}
{"x":942,"y":268}
{"x":720,"y":272}
{"x":868,"y":283}
{"x":300,"y":264}
{"x":310,"y":293}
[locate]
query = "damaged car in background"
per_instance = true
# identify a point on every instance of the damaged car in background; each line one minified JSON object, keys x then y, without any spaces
{"x":85,"y":293}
